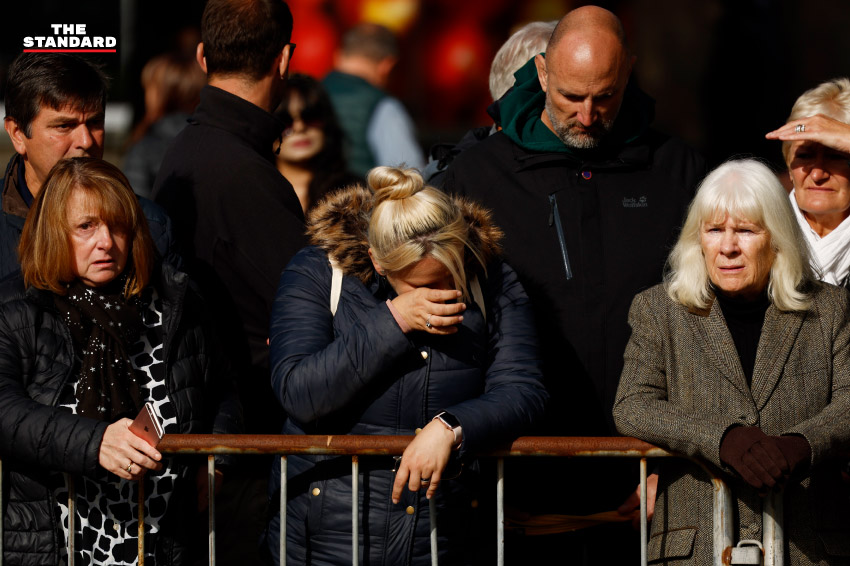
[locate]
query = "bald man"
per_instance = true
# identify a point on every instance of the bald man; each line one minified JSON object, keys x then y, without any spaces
{"x":590,"y":198}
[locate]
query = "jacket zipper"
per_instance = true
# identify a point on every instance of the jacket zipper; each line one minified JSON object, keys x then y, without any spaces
{"x":555,"y":217}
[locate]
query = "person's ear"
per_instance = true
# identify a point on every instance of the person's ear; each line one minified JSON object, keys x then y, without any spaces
{"x":542,"y":76}
{"x":199,"y":57}
{"x":384,"y":68}
{"x":377,"y":267}
{"x":285,"y":58}
{"x":17,"y":135}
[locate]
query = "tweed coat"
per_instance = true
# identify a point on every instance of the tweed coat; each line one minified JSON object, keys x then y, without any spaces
{"x":683,"y":387}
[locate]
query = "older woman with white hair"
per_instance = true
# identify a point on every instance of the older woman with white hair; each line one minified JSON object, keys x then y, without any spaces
{"x":741,"y":358}
{"x":523,"y":45}
{"x":816,"y":148}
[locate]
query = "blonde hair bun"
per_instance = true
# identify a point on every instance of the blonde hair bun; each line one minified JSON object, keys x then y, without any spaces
{"x":393,"y":183}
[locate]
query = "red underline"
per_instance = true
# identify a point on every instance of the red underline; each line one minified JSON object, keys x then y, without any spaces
{"x":70,"y":50}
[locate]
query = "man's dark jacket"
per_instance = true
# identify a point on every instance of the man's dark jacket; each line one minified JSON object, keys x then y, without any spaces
{"x":38,"y":440}
{"x":237,"y":222}
{"x":585,"y":231}
{"x":13,"y":212}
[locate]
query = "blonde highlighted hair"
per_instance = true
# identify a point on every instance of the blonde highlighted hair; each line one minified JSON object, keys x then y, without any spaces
{"x":748,"y":190}
{"x":411,"y":221}
{"x":45,"y":248}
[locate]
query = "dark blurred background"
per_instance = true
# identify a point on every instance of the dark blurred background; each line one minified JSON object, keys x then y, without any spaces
{"x":723,"y":72}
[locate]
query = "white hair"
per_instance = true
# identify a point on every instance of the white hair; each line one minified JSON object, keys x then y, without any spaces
{"x":524,"y":44}
{"x":831,"y":98}
{"x":749,"y":190}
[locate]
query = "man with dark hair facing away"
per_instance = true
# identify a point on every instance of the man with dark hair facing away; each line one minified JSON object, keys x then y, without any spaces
{"x":55,"y":107}
{"x":378,"y":129}
{"x":237,"y":220}
{"x":590,"y":198}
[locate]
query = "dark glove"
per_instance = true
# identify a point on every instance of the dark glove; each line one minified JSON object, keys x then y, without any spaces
{"x":797,"y":451}
{"x":755,"y":456}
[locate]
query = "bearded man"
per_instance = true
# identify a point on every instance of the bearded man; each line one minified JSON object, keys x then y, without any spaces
{"x":590,"y":198}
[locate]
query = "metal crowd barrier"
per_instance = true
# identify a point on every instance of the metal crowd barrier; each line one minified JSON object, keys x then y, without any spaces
{"x":357,"y":446}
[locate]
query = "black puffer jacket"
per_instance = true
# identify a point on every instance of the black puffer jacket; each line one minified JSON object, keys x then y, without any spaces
{"x":37,"y":439}
{"x":358,"y":373}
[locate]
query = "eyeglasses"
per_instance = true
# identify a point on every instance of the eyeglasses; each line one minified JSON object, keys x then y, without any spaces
{"x":291,"y":49}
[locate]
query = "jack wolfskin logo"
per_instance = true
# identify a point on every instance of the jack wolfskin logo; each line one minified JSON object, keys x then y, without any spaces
{"x":629,"y":202}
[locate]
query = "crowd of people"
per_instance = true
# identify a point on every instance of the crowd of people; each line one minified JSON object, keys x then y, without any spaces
{"x":277,"y":258}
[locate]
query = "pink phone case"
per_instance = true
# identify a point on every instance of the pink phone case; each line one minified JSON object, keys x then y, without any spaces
{"x":146,"y":425}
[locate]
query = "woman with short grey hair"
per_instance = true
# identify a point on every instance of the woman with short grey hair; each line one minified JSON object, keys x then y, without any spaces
{"x":816,"y":149}
{"x":741,"y":358}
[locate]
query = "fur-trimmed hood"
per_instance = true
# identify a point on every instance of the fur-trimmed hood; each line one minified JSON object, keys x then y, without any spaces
{"x":339,"y":225}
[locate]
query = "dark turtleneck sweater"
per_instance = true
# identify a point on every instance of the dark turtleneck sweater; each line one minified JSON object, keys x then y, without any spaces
{"x":744,"y":318}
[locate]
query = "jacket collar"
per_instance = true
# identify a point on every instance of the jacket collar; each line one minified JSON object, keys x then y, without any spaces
{"x":626,"y":157}
{"x":13,"y":203}
{"x":339,"y":225}
{"x":778,"y":335}
{"x":248,"y":122}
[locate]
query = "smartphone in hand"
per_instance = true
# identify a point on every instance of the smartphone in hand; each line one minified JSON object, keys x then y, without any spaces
{"x":146,"y":425}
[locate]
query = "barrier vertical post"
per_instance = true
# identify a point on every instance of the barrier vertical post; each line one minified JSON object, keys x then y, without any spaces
{"x":722,"y":532}
{"x":1,"y":513}
{"x":772,"y":529}
{"x":72,"y":514}
{"x":355,"y":511}
{"x":211,"y":506}
{"x":141,"y":520}
{"x":282,"y":532}
{"x":432,"y":518}
{"x":500,"y":511}
{"x":643,"y":512}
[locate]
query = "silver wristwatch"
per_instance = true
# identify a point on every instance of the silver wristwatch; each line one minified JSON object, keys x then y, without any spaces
{"x":452,"y":424}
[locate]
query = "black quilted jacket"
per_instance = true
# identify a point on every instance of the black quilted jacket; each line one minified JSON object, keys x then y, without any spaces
{"x":37,"y":439}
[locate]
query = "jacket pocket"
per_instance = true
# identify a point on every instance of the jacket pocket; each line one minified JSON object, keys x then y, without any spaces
{"x":678,"y":543}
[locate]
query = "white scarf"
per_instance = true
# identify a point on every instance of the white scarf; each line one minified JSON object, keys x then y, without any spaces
{"x":830,"y":254}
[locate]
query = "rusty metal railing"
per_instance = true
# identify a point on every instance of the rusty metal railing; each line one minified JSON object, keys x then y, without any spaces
{"x":365,"y":446}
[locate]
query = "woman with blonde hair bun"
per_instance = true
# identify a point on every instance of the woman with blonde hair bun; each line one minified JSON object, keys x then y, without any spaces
{"x":399,"y":319}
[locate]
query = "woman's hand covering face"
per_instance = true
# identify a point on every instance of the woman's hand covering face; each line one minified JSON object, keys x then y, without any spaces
{"x":428,"y":310}
{"x":426,"y":296}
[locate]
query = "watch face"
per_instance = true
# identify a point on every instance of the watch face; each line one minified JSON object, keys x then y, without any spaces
{"x":449,"y":419}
